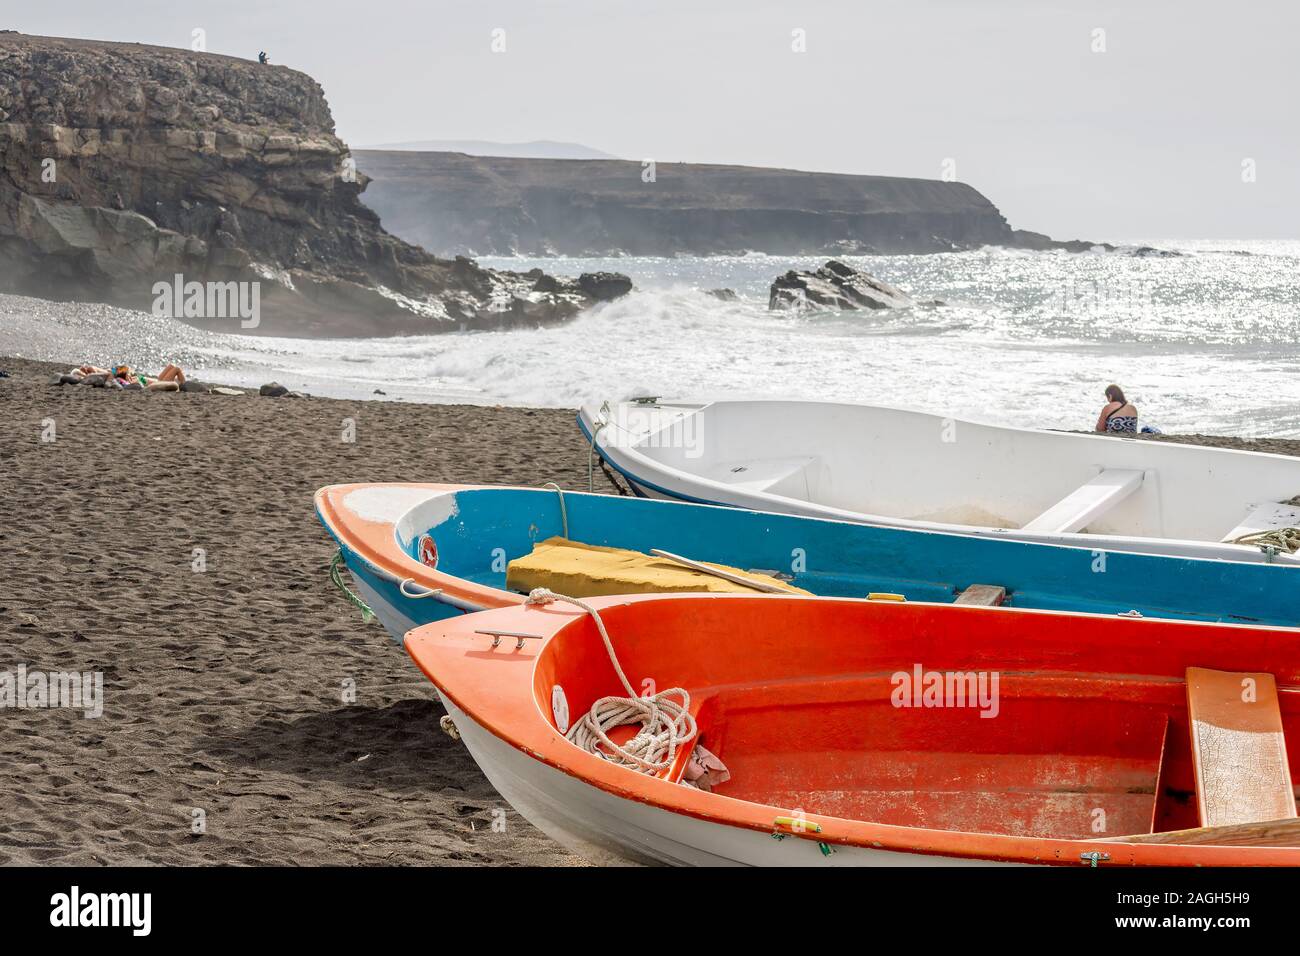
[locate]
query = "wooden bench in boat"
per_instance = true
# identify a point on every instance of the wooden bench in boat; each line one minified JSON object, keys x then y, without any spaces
{"x":1269,"y":516}
{"x":987,"y":595}
{"x":1238,"y":749}
{"x":1088,"y":502}
{"x":1268,"y":833}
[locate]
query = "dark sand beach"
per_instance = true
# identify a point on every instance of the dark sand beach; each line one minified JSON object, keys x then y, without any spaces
{"x":224,"y":689}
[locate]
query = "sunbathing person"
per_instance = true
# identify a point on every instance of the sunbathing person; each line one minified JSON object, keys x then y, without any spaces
{"x":86,"y":375}
{"x":172,"y":373}
{"x":75,"y":376}
{"x":170,"y":379}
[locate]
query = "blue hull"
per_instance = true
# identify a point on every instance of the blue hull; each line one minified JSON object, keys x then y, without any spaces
{"x":491,"y":526}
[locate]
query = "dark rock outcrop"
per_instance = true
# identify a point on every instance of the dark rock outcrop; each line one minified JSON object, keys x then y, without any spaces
{"x":454,"y":203}
{"x":604,"y":286}
{"x":835,"y":286}
{"x":1038,"y":242}
{"x":122,"y":166}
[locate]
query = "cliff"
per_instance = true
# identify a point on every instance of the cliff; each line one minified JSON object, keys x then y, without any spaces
{"x":122,"y":166}
{"x":454,"y":203}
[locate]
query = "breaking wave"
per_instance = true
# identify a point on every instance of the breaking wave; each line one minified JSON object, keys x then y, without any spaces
{"x":1203,"y":341}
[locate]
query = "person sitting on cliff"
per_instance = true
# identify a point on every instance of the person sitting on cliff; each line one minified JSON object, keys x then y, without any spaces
{"x":263,"y":58}
{"x":1118,"y":415}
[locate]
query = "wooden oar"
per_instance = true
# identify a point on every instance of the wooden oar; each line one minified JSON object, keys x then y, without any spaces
{"x":719,"y":573}
{"x":1269,"y":833}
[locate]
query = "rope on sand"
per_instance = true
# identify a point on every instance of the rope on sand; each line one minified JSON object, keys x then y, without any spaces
{"x":665,"y":718}
{"x":336,"y":576}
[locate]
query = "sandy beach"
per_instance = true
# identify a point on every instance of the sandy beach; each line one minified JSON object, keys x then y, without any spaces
{"x":223,"y":689}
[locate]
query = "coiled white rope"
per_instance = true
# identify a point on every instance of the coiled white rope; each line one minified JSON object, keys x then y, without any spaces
{"x":1286,"y":540}
{"x":665,"y":718}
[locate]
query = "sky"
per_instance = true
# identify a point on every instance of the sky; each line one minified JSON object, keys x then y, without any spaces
{"x":1144,"y":119}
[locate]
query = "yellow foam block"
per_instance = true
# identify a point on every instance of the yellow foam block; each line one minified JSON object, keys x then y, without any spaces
{"x":589,"y":570}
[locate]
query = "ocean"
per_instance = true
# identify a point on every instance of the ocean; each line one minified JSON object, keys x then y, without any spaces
{"x":1204,"y":341}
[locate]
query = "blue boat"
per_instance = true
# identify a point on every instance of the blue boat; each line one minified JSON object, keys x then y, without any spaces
{"x":423,"y":552}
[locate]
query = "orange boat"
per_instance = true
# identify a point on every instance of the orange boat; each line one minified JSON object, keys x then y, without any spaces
{"x":835,"y":732}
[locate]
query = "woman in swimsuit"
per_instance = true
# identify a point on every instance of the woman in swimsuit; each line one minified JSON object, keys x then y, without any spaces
{"x":1118,"y":415}
{"x":169,"y":379}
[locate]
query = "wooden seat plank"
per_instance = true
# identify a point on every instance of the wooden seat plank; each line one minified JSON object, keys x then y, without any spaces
{"x":1088,"y":502}
{"x":1238,"y":748}
{"x":1268,"y":833}
{"x":987,"y":595}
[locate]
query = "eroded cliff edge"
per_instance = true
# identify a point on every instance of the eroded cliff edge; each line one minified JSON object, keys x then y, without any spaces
{"x":123,"y":165}
{"x":481,"y":205}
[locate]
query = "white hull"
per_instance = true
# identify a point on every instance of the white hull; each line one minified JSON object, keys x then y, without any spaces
{"x":912,"y":470}
{"x":394,"y":621}
{"x":606,"y":829}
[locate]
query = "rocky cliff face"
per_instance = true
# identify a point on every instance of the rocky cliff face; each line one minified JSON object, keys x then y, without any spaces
{"x":124,"y":165}
{"x":453,"y":203}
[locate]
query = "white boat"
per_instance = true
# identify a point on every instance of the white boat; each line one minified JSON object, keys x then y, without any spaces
{"x":909,"y":469}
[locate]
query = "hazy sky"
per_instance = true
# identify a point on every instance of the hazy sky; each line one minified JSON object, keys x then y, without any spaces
{"x":1146,"y":139}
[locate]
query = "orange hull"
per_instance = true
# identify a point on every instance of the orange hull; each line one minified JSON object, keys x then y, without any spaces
{"x":819,"y":709}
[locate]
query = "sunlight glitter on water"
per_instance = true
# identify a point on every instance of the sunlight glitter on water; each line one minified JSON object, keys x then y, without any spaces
{"x":1204,"y":341}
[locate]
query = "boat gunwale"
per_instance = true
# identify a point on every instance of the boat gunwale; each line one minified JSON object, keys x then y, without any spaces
{"x":375,"y":543}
